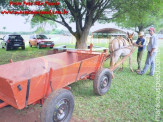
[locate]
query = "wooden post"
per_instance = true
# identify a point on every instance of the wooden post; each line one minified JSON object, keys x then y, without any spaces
{"x":92,"y":38}
{"x":11,"y":61}
{"x":91,"y":46}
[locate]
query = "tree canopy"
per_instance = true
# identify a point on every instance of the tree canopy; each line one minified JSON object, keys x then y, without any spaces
{"x":84,"y":13}
{"x":142,"y":14}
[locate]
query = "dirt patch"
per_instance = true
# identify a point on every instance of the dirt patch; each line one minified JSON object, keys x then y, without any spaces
{"x":74,"y":119}
{"x":30,"y":114}
{"x":10,"y":114}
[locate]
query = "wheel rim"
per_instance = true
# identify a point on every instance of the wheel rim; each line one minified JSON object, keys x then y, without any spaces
{"x":62,"y":110}
{"x":104,"y":83}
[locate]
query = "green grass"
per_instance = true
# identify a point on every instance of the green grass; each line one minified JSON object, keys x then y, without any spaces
{"x":130,"y":98}
{"x":19,"y":54}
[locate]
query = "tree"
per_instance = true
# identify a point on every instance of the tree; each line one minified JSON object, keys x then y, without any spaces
{"x":84,"y":13}
{"x":4,"y":28}
{"x":41,"y":24}
{"x":159,"y":25}
{"x":142,"y":14}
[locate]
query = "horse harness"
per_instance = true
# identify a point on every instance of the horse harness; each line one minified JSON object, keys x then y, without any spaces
{"x":124,"y":45}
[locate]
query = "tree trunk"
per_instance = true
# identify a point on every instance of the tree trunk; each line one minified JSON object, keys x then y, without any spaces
{"x":81,"y":40}
{"x":81,"y":44}
{"x":140,"y":29}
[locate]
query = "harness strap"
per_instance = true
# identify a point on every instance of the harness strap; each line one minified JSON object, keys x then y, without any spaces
{"x":119,"y":43}
{"x":124,"y":44}
{"x":129,"y":47}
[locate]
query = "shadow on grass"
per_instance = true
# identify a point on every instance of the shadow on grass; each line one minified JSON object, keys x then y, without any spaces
{"x":83,"y":88}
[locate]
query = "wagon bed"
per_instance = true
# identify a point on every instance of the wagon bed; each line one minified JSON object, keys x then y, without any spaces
{"x":45,"y":79}
{"x":25,"y":82}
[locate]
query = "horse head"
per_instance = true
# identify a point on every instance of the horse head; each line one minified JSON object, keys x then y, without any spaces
{"x":130,"y":37}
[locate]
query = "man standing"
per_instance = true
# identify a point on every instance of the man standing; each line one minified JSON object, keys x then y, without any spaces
{"x":152,"y":50}
{"x":140,"y":43}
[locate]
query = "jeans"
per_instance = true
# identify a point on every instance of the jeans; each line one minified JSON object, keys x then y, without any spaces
{"x":150,"y":61}
{"x":139,"y":58}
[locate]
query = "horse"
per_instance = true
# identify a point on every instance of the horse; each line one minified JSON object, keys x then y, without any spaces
{"x":120,"y":47}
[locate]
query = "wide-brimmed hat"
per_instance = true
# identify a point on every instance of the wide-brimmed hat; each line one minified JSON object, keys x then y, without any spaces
{"x":151,"y":29}
{"x":141,"y":34}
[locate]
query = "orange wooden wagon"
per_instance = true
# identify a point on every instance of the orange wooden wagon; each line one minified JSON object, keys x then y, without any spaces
{"x":45,"y":80}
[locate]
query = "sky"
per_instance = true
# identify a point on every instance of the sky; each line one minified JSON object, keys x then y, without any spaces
{"x":17,"y":23}
{"x":14,"y":23}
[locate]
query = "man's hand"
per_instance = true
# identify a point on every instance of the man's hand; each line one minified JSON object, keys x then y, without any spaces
{"x":151,"y":53}
{"x":140,"y":45}
{"x":135,"y":44}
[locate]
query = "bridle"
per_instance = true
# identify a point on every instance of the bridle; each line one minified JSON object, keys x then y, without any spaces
{"x":129,"y":40}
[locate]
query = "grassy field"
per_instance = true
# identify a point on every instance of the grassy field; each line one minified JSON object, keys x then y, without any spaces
{"x":130,"y":98}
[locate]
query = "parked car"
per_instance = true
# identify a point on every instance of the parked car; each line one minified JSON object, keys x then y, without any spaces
{"x":12,"y":41}
{"x":160,"y":36}
{"x":40,"y":41}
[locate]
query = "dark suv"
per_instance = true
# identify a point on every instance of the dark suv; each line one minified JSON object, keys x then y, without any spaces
{"x":12,"y":41}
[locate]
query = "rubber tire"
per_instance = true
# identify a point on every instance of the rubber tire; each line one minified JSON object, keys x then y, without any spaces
{"x":23,"y":48}
{"x":38,"y":46}
{"x":51,"y":47}
{"x":96,"y":83}
{"x":30,"y":45}
{"x":50,"y":105}
{"x":6,"y":48}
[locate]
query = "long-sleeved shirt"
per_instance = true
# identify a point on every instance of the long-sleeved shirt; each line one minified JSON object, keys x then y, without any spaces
{"x":153,"y":43}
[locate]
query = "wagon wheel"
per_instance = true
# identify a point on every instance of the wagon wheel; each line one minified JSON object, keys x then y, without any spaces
{"x":58,"y":107}
{"x":23,"y":47}
{"x":7,"y":48}
{"x":102,"y":81}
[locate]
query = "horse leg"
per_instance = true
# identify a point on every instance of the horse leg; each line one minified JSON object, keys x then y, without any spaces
{"x":112,"y":62}
{"x":114,"y":59}
{"x":112,"y":75}
{"x":130,"y":64}
{"x":111,"y":66}
{"x":121,"y":68}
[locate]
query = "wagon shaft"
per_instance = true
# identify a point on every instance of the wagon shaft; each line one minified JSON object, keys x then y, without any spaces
{"x":120,"y":62}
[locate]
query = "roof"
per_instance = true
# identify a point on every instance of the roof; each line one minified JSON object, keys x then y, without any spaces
{"x":109,"y":30}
